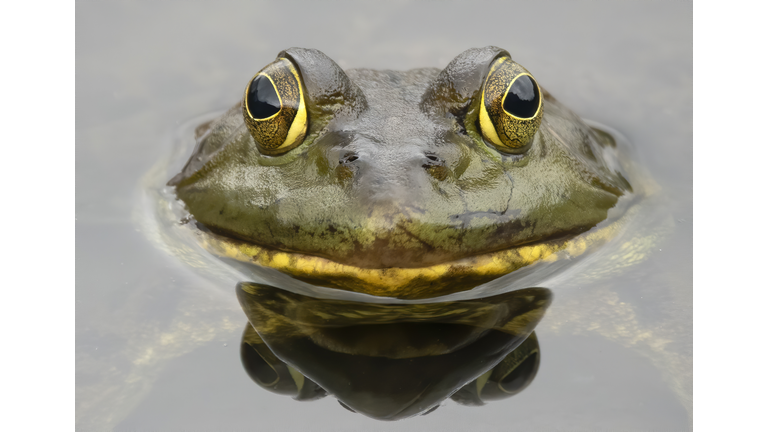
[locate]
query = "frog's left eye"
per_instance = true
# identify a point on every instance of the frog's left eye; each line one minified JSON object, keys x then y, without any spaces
{"x":273,"y":108}
{"x":510,"y":112}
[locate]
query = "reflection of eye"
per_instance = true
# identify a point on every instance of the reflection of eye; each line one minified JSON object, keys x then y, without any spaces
{"x":274,"y":109}
{"x":510,"y":112}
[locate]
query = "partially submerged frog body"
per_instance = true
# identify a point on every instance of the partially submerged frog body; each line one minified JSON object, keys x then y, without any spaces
{"x":408,"y":184}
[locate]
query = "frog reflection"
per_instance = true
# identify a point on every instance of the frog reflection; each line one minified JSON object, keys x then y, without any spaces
{"x":391,"y":361}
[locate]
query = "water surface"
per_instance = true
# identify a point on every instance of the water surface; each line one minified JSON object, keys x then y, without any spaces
{"x":158,"y":340}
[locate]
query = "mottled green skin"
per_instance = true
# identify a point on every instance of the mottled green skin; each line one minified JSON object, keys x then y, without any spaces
{"x":394,"y":171}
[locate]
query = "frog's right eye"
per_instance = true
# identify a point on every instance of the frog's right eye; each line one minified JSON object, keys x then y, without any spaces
{"x":274,"y":109}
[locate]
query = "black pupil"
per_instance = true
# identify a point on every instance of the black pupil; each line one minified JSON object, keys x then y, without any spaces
{"x":262,"y":98}
{"x":522,"y":98}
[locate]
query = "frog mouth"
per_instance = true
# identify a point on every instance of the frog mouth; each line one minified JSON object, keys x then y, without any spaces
{"x":413,"y":282}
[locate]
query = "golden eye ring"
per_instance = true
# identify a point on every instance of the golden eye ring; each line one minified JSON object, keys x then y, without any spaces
{"x":274,"y":109}
{"x":511,"y":107}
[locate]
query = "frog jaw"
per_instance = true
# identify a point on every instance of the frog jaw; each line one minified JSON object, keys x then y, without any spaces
{"x":410,"y":283}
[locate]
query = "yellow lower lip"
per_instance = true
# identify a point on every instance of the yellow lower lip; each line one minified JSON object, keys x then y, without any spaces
{"x":408,"y":283}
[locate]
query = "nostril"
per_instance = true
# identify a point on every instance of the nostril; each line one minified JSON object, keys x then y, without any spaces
{"x":432,"y":160}
{"x":347,"y":158}
{"x":435,"y":166}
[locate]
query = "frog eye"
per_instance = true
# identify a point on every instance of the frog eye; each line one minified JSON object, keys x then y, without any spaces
{"x":273,"y":108}
{"x":510,"y":112}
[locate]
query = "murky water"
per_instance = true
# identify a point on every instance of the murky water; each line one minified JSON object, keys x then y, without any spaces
{"x":159,"y":327}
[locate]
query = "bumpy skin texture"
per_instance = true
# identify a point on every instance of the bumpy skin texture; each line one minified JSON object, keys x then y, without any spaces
{"x":394,"y":171}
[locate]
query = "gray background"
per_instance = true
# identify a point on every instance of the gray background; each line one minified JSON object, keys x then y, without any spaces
{"x":156,"y":345}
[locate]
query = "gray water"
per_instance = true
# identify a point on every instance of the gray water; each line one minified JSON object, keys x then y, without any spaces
{"x":157,"y":338}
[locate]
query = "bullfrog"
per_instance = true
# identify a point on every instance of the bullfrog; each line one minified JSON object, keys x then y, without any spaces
{"x":324,"y":193}
{"x":407,"y":185}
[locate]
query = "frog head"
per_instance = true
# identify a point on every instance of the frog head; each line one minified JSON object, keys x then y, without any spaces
{"x":396,"y":181}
